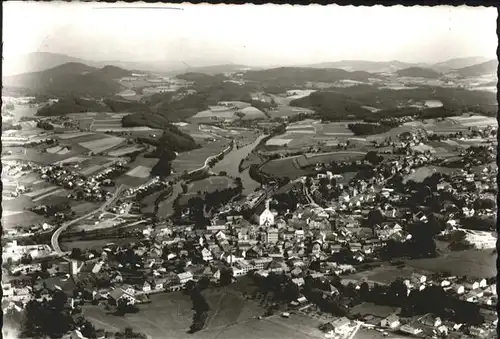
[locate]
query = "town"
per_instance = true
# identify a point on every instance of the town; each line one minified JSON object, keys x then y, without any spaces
{"x":293,"y":202}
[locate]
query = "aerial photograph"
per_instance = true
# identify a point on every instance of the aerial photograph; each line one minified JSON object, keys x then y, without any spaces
{"x":184,"y":171}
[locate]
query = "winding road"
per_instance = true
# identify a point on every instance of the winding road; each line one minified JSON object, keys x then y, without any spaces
{"x":54,"y":241}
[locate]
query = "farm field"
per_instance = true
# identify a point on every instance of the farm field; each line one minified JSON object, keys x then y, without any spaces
{"x":139,"y":172}
{"x":35,"y":156}
{"x":250,"y":113}
{"x":386,"y":274}
{"x":289,"y":111}
{"x":475,"y":120}
{"x":220,"y":112}
{"x":23,"y":220}
{"x":72,"y":135}
{"x":169,"y":315}
{"x":207,"y":185}
{"x":423,"y":172}
{"x":82,"y":208}
{"x":211,"y":184}
{"x":94,"y":244}
{"x":473,"y":263}
{"x":310,"y":132}
{"x":73,"y":160}
{"x":41,"y":191}
{"x":101,"y":145}
{"x":296,"y":166}
{"x":298,"y":93}
{"x":59,"y":192}
{"x":284,"y":168}
{"x":54,"y":149}
{"x":373,"y":309}
{"x":89,"y":170}
{"x":365,"y":333}
{"x":188,"y":161}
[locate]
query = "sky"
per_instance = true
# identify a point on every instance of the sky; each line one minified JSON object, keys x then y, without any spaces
{"x":248,"y":34}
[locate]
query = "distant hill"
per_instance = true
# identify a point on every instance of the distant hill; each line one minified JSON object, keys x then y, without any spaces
{"x":115,"y":72}
{"x":41,"y":61}
{"x":75,"y":79}
{"x":38,"y":61}
{"x":419,"y":72}
{"x":303,"y":74}
{"x":489,"y":67}
{"x":367,"y":66}
{"x":457,"y":63}
{"x":331,"y":105}
{"x":351,"y":102}
{"x":213,"y":70}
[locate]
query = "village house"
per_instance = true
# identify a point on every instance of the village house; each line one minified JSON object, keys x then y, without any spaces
{"x":391,"y":321}
{"x":430,"y":320}
{"x":410,"y":329}
{"x":341,"y":326}
{"x":118,"y":294}
{"x":206,"y":254}
{"x":185,"y":277}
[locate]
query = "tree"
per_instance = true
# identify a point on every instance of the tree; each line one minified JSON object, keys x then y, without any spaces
{"x":364,"y":291}
{"x":45,"y":265}
{"x":26,"y":259}
{"x":373,"y":157}
{"x":76,"y":253}
{"x":308,"y":182}
{"x":226,"y":277}
{"x":333,"y":182}
{"x":375,"y":217}
{"x":458,"y":241}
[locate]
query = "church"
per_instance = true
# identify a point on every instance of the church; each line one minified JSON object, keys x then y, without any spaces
{"x":263,"y":215}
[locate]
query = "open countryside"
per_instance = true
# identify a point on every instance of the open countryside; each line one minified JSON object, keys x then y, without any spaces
{"x":282,"y":196}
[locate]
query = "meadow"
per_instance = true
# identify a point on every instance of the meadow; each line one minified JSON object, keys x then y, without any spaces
{"x":380,"y":311}
{"x":210,"y":184}
{"x":288,"y":111}
{"x":473,"y":263}
{"x":188,"y":161}
{"x":103,"y":144}
{"x":23,"y":219}
{"x":139,"y":172}
{"x":285,"y":168}
{"x":169,"y":315}
{"x":124,"y":150}
{"x":423,"y":172}
{"x":296,"y":166}
{"x":386,"y":274}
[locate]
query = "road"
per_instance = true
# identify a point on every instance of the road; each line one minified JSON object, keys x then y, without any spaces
{"x":353,"y":334}
{"x":54,"y":241}
{"x":309,"y":197}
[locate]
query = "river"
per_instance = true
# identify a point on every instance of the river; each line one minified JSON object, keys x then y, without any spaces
{"x":231,"y":162}
{"x":228,"y":164}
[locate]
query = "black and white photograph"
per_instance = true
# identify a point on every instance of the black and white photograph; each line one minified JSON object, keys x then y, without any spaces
{"x":183,"y":171}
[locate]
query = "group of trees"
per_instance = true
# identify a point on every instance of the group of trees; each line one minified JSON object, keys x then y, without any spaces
{"x":45,"y":125}
{"x":51,"y":210}
{"x":206,"y":201}
{"x":48,"y":318}
{"x":368,"y":129}
{"x":71,"y":104}
{"x":200,"y":305}
{"x":432,"y":299}
{"x":347,"y":103}
{"x":280,"y":286}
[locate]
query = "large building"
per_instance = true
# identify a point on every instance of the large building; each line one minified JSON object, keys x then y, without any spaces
{"x":272,"y":235}
{"x":263,"y":215}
